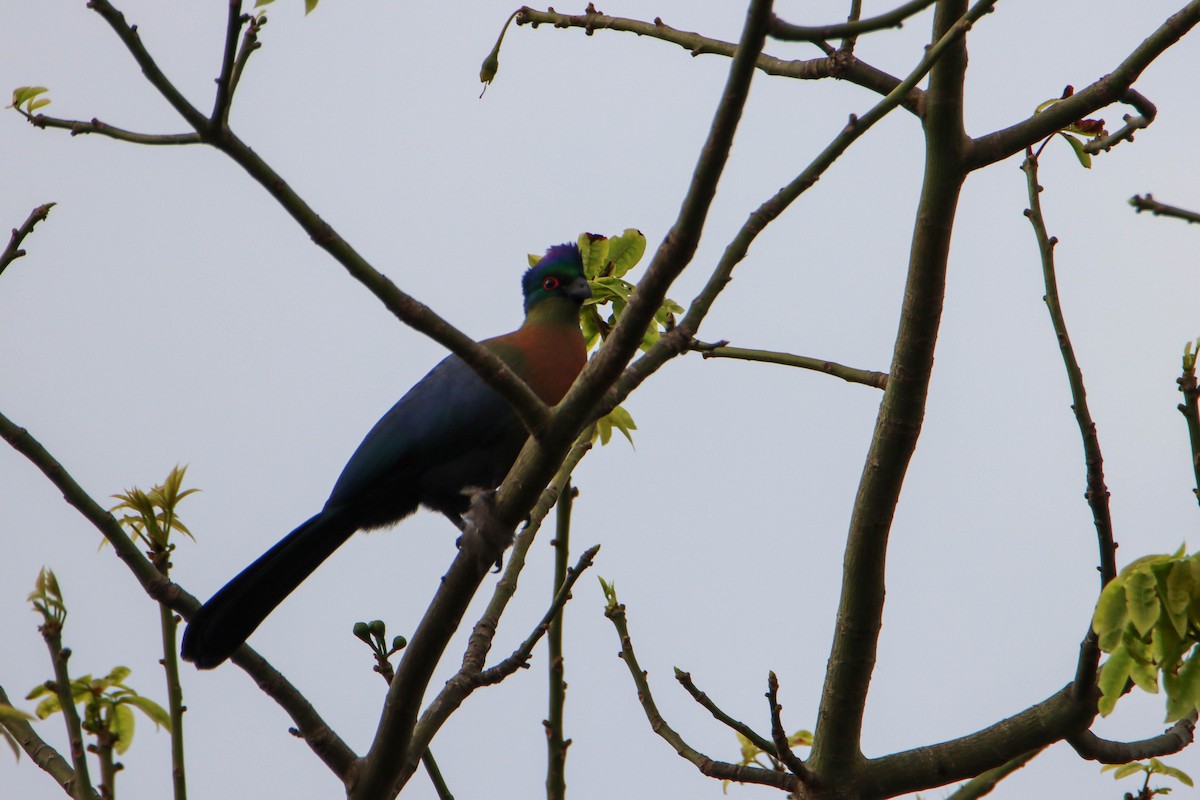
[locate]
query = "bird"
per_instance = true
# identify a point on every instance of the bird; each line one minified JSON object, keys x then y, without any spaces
{"x":449,"y":434}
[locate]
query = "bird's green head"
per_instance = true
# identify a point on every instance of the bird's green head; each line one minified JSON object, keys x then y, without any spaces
{"x":556,"y":286}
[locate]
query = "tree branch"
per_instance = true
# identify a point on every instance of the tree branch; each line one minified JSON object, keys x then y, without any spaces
{"x":785,"y":31}
{"x":1111,"y":88}
{"x":328,"y":746}
{"x":707,"y":766}
{"x":78,"y":127}
{"x":1148,"y":203}
{"x":459,"y":687}
{"x":983,"y":783}
{"x":835,"y":754}
{"x":1049,"y":721}
{"x":13,"y":251}
{"x":41,"y":753}
{"x":848,"y":374}
{"x":233,"y":27}
{"x":783,"y":750}
{"x":762,"y":743}
{"x":842,"y":65}
{"x":1097,"y":492}
{"x":1090,"y":746}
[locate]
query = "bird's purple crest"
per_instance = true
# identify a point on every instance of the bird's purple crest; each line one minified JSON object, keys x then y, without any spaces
{"x":562,"y":261}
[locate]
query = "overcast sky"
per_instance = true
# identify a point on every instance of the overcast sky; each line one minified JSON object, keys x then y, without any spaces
{"x":170,"y":312}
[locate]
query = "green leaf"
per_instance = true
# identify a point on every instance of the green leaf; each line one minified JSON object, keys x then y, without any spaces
{"x":620,"y":419}
{"x":1144,"y":675}
{"x":39,"y":103}
{"x":48,"y":706}
{"x":1142,"y":596}
{"x":118,"y":675}
{"x":1182,"y":688}
{"x":15,"y":714}
{"x":1177,"y":774}
{"x":1112,"y":680}
{"x":122,"y":726}
{"x":594,"y":250}
{"x":1179,"y":583}
{"x":309,"y":6}
{"x":625,"y":251}
{"x":1085,"y":158}
{"x":1112,"y":614}
{"x":1125,"y":770}
{"x":151,"y":709}
{"x":262,"y":3}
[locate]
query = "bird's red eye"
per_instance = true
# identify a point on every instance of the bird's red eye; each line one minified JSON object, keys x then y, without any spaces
{"x":550,"y":284}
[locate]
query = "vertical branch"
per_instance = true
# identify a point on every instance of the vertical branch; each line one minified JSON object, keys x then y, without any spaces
{"x":52,"y":634}
{"x":556,"y":745}
{"x":1190,"y":408}
{"x":169,"y":624}
{"x":836,"y":755}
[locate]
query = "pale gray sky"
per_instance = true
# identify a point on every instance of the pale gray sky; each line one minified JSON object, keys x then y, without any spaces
{"x":170,"y":312}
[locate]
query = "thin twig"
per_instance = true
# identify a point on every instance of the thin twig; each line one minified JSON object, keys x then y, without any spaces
{"x":79,"y":127}
{"x":841,"y":65}
{"x":848,"y":374}
{"x":785,"y":31}
{"x":13,"y":251}
{"x":1097,"y":493}
{"x":1148,"y":203}
{"x":762,"y":743}
{"x":52,"y":634}
{"x":233,"y":27}
{"x":556,"y":743}
{"x":783,"y":750}
{"x":707,"y":766}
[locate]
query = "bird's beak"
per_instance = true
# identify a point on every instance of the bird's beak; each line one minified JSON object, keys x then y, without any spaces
{"x":578,"y":290}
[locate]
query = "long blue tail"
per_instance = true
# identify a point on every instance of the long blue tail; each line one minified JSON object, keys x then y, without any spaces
{"x":224,"y":623}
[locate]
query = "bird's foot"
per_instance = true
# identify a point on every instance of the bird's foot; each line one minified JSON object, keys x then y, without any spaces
{"x":482,"y":532}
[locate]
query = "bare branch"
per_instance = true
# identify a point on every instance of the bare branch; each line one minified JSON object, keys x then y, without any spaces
{"x":783,"y":750}
{"x":848,"y":374}
{"x":1125,"y":133}
{"x":762,"y":743}
{"x":233,"y":27}
{"x":13,"y":251}
{"x":1148,"y":203}
{"x":842,"y":65}
{"x":785,"y":31}
{"x":706,"y":765}
{"x":836,"y":752}
{"x":1097,"y":492}
{"x":1090,"y":746}
{"x":78,"y":127}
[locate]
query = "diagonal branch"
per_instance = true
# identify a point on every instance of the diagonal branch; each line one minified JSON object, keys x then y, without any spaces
{"x":314,"y":730}
{"x":762,"y":743}
{"x":680,"y":339}
{"x":41,"y":753}
{"x":707,"y":766}
{"x":1110,"y":89}
{"x":13,"y":250}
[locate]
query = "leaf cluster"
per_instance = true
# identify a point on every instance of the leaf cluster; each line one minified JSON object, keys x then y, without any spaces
{"x":108,"y":706}
{"x":1148,"y":621}
{"x":47,"y":599}
{"x":1088,"y":128}
{"x":28,"y":96}
{"x":1148,"y":768}
{"x":154,"y":516}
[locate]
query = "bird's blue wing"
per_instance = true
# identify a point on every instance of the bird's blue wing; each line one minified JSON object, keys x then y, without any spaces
{"x":442,"y":435}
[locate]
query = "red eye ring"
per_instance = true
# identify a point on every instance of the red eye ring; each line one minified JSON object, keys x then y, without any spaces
{"x":550,"y":284}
